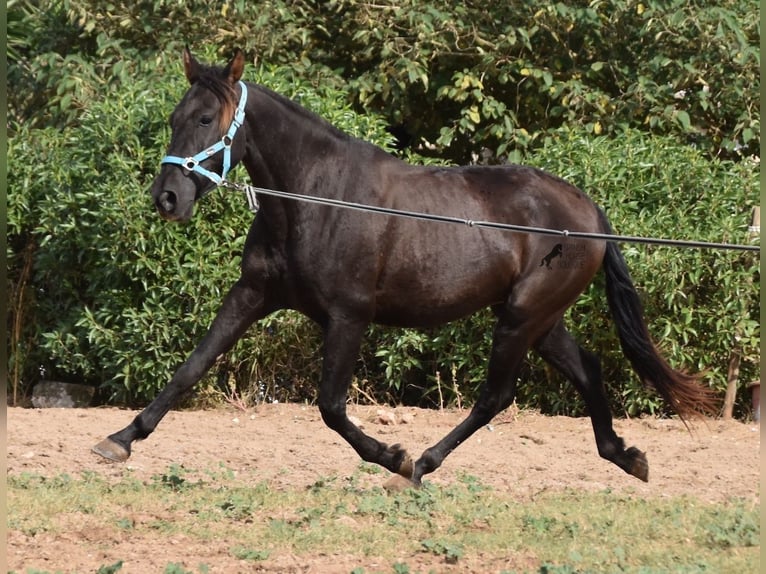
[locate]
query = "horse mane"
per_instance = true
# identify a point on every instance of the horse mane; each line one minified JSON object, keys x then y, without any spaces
{"x":214,"y":79}
{"x":297,"y":109}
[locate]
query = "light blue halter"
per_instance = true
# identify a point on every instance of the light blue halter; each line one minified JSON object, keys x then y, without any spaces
{"x":193,"y":163}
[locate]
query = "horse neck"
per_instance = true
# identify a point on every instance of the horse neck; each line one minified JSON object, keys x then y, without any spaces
{"x":287,"y":145}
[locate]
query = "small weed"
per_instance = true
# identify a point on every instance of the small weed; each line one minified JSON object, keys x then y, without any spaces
{"x":174,"y":478}
{"x":60,"y":481}
{"x":416,"y":503}
{"x":472,"y":483}
{"x":401,"y":568}
{"x":321,"y":484}
{"x":91,"y":476}
{"x":244,"y":553}
{"x":223,"y":473}
{"x":312,"y":515}
{"x":450,"y":551}
{"x":25,"y":481}
{"x":555,"y":569}
{"x":369,"y":468}
{"x":116,"y":567}
{"x":239,"y":507}
{"x":374,"y":504}
{"x":160,"y":526}
{"x":538,"y":524}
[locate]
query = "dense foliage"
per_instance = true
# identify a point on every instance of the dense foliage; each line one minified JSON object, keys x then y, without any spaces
{"x":465,"y":79}
{"x":650,"y":107}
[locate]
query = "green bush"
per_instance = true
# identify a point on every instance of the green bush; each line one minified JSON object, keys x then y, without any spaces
{"x":103,"y":291}
{"x":506,"y":73}
{"x":117,"y":298}
{"x":488,"y":79}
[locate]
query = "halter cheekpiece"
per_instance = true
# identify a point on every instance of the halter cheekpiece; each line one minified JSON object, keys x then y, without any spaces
{"x":193,"y":163}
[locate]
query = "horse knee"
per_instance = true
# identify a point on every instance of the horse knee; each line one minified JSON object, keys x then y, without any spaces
{"x":333,"y":413}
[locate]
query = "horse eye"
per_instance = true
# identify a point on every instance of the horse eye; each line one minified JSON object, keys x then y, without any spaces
{"x":205,"y":121}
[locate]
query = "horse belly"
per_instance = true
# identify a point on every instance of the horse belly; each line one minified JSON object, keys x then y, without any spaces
{"x":440,"y":289}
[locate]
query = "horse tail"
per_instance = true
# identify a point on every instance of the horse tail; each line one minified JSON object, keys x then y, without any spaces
{"x":682,"y":391}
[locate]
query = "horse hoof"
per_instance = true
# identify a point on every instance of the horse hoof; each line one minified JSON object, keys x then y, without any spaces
{"x":406,"y":467}
{"x":110,"y":450}
{"x":398,"y":483}
{"x":395,"y":453}
{"x":640,"y":466}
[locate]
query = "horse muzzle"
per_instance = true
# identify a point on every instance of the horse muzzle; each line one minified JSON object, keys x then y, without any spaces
{"x":169,"y":207}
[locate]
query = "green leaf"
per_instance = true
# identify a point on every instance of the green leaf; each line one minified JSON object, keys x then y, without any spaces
{"x":684,"y":120}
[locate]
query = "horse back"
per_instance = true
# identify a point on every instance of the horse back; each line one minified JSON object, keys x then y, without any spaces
{"x":431,"y":270}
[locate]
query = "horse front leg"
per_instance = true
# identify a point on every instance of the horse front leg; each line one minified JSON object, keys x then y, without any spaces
{"x":342,"y":339}
{"x":243,"y":305}
{"x":497,"y":393}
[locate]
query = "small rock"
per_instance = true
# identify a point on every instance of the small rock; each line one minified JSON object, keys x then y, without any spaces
{"x":407,"y":418}
{"x":386,"y":417}
{"x":53,"y":394}
{"x":355,"y":421}
{"x":397,"y":483}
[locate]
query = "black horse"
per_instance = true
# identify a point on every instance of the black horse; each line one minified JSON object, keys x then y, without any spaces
{"x":345,"y":269}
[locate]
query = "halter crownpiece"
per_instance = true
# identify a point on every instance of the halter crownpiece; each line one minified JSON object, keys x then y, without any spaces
{"x":193,"y":163}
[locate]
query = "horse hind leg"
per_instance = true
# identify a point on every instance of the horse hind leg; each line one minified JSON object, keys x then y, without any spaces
{"x":583,"y":369}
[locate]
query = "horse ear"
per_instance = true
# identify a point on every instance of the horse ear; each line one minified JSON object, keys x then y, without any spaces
{"x":190,"y":66}
{"x":235,"y":67}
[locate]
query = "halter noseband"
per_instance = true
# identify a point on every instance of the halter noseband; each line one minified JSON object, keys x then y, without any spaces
{"x":193,"y":163}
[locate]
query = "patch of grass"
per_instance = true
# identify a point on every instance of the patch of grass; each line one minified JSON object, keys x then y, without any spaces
{"x":450,"y":551}
{"x":244,"y":553}
{"x":171,"y":568}
{"x":465,"y":523}
{"x":111,"y":569}
{"x":732,"y":527}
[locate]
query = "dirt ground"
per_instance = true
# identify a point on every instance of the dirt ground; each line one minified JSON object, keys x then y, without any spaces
{"x":520,"y":453}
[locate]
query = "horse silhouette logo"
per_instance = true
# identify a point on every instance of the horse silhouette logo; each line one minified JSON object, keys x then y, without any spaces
{"x":555,"y":252}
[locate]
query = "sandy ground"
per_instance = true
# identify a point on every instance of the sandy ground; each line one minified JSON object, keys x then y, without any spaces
{"x":522,"y":454}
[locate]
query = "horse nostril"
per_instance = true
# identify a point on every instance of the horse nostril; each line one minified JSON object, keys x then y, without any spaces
{"x":167,"y":201}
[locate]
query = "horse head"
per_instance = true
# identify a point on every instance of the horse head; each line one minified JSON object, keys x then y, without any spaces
{"x":206,"y":140}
